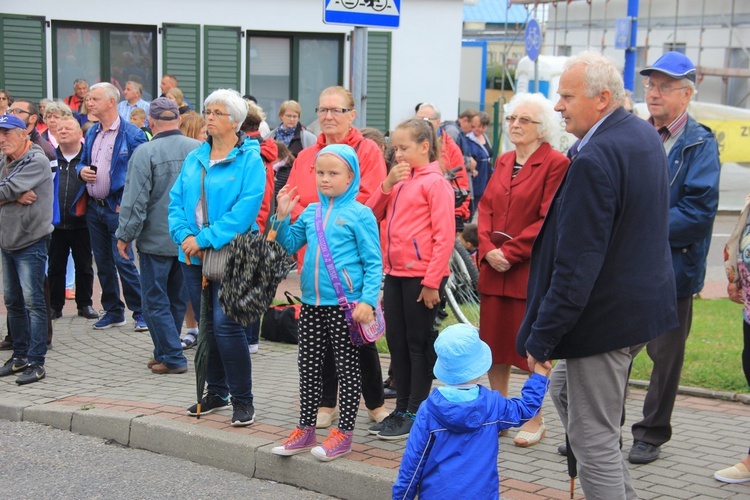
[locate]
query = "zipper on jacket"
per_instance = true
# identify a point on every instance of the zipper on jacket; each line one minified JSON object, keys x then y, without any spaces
{"x":348,"y":280}
{"x":682,"y":160}
{"x":317,"y":255}
{"x":393,"y":214}
{"x":416,"y":248}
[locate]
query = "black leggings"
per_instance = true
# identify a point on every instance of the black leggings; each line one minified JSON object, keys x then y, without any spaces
{"x":372,"y":378}
{"x":409,"y":332}
{"x":319,"y":327}
{"x":746,"y":351}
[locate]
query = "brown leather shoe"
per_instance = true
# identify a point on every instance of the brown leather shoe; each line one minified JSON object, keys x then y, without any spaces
{"x":163,"y":369}
{"x":152,"y":362}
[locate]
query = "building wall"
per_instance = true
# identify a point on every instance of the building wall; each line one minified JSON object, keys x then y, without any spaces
{"x":426,"y":48}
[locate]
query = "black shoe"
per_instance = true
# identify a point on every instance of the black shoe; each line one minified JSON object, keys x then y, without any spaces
{"x":643,"y":453}
{"x":53,"y":314}
{"x":375,"y":429}
{"x":209,"y":404}
{"x":13,"y":365}
{"x":243,"y":414}
{"x":88,"y":312}
{"x":563,"y":450}
{"x":389,"y":393}
{"x":6,"y":345}
{"x":399,"y":428}
{"x":32,"y":373}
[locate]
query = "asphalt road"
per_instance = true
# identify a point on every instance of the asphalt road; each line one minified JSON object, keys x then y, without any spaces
{"x":40,"y":462}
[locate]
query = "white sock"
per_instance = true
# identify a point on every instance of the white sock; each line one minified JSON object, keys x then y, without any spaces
{"x":193,"y":331}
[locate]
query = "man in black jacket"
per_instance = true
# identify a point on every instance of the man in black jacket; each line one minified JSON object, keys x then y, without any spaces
{"x":601,"y":281}
{"x":71,"y":234}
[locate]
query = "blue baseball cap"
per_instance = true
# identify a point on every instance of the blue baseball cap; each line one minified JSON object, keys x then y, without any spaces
{"x":10,"y":121}
{"x":674,"y":64}
{"x":461,"y":355}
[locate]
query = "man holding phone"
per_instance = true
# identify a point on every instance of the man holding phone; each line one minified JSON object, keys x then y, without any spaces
{"x":104,"y":164}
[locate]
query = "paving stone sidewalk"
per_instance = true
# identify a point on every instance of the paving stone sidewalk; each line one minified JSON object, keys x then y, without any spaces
{"x":106,"y":371}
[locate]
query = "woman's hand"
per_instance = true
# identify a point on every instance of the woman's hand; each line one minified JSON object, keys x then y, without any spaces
{"x":363,"y":313}
{"x":285,"y":202}
{"x":496,"y":259}
{"x":429,"y":296}
{"x":734,"y":293}
{"x":191,"y":248}
{"x":398,"y":173}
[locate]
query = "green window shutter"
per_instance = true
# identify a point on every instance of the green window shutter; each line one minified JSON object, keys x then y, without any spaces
{"x":221,"y":61}
{"x":378,"y":80}
{"x":181,"y":58}
{"x":24,"y":48}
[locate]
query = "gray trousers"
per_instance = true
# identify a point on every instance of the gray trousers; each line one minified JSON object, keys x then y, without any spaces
{"x":589,"y":394}
{"x":667,"y":351}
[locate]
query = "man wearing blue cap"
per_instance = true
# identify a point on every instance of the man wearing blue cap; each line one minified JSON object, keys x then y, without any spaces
{"x":26,"y":196}
{"x":693,"y":161}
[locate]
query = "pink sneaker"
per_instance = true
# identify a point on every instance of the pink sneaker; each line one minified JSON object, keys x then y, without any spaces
{"x":337,"y":444}
{"x":301,"y":439}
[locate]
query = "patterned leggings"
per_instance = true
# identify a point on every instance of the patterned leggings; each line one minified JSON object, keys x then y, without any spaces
{"x":319,"y":326}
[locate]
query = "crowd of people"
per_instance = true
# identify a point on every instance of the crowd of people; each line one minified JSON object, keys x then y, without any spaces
{"x":585,"y":258}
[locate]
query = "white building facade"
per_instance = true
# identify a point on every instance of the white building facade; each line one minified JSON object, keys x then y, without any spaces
{"x":274,"y":50}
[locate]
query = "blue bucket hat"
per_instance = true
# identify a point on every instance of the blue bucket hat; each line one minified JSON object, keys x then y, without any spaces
{"x":10,"y":121}
{"x":461,"y":355}
{"x":674,"y":64}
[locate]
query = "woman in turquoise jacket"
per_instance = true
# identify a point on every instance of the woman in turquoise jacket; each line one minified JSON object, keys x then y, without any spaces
{"x":231,"y":170}
{"x":351,"y":234}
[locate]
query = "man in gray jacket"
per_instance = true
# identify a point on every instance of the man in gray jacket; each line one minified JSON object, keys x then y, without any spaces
{"x":152,"y":170}
{"x":26,"y":197}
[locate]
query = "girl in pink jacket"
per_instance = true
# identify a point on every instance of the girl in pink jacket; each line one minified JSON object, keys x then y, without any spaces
{"x":416,"y":202}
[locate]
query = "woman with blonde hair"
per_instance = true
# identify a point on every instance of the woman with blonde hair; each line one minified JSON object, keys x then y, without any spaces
{"x":178,"y":97}
{"x":291,"y":132}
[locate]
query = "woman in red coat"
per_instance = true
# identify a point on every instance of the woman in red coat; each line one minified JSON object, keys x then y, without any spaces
{"x":511,"y":212}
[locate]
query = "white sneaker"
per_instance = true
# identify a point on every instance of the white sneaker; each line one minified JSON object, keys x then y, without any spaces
{"x":253,"y":348}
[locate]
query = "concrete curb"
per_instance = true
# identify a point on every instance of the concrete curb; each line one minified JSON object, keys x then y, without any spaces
{"x":699,"y":392}
{"x":225,"y":450}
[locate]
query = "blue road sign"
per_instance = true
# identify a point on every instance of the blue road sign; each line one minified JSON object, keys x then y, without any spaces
{"x":369,"y":13}
{"x":533,"y":40}
{"x":622,"y":32}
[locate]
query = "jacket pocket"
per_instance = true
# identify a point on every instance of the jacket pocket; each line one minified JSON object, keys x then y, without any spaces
{"x":348,"y":279}
{"x":416,"y":248}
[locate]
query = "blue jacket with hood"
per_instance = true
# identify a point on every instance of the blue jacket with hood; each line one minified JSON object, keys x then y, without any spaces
{"x":453,"y":446}
{"x":352,"y":235}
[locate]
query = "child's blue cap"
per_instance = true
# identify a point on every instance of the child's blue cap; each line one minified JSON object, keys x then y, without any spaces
{"x":461,"y":355}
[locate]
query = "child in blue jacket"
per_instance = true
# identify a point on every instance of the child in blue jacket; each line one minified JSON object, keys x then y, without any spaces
{"x":452,"y":447}
{"x":351,"y":233}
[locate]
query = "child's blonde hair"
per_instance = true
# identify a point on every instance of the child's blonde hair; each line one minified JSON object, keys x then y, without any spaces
{"x":422,"y":131}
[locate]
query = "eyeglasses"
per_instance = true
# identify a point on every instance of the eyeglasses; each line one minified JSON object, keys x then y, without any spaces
{"x":3,"y":98}
{"x":17,"y":111}
{"x":523,"y":120}
{"x":663,"y":88}
{"x":217,"y":114}
{"x":291,"y":117}
{"x":334,"y":111}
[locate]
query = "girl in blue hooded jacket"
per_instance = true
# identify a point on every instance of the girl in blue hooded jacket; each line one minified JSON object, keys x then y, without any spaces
{"x":352,"y":235}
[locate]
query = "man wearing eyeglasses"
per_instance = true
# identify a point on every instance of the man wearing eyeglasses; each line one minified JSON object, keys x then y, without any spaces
{"x":693,"y":161}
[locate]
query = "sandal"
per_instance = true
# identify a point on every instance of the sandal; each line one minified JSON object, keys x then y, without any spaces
{"x":524,"y":439}
{"x":188,"y":341}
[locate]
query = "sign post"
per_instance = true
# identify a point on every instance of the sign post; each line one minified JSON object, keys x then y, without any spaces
{"x":361,"y":14}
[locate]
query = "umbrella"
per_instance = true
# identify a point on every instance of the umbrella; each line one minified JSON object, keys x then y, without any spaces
{"x":572,"y":467}
{"x":203,"y":347}
{"x":255,"y":266}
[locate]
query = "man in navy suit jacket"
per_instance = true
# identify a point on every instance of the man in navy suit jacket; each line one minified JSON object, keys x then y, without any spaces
{"x":601,"y":282}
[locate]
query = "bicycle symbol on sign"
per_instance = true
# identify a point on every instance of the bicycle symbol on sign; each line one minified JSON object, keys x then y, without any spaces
{"x":376,"y":5}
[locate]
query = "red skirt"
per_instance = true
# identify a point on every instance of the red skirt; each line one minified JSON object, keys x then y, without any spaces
{"x":499,"y":321}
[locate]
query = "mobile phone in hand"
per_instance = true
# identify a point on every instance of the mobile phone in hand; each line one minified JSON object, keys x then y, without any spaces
{"x":93,"y":168}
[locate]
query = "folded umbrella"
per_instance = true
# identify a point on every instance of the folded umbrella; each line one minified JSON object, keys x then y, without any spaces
{"x":255,"y":266}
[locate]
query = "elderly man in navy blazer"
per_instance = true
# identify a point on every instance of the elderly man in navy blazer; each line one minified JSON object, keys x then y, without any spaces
{"x":601,"y":281}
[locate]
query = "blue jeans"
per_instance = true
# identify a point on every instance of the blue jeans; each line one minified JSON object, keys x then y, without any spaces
{"x":23,"y":283}
{"x":252,"y":333}
{"x":164,"y":305}
{"x":229,"y":368}
{"x":102,"y":223}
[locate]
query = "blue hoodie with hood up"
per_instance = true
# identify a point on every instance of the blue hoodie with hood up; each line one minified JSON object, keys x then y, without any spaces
{"x":352,"y":235}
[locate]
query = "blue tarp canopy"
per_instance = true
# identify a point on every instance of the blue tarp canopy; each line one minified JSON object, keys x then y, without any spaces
{"x":495,"y":12}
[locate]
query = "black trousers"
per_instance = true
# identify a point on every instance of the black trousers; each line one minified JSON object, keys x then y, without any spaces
{"x":372,"y":378}
{"x":63,"y":242}
{"x":746,"y":351}
{"x":409,"y":332}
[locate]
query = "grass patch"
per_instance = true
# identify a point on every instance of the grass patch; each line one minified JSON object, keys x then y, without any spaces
{"x":713,"y":357}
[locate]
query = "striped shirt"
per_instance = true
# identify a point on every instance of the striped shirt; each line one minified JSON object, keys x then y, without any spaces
{"x":671,"y":132}
{"x":101,"y":156}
